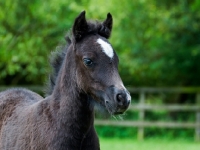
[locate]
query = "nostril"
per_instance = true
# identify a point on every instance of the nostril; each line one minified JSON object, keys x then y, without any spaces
{"x":119,"y":98}
{"x":122,"y":99}
{"x":128,"y":102}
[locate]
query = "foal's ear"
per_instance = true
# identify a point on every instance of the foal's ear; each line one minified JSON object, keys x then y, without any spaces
{"x":108,"y":22}
{"x":80,"y":26}
{"x":106,"y":28}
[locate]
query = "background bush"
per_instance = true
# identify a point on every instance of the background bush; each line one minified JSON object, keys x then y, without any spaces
{"x":157,"y":41}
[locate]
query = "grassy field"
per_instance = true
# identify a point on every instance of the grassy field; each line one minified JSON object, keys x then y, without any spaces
{"x":153,"y":144}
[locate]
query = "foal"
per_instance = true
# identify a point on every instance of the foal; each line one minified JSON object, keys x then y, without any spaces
{"x":85,"y":73}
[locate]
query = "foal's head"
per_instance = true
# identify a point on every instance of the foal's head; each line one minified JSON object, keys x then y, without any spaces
{"x":97,"y":64}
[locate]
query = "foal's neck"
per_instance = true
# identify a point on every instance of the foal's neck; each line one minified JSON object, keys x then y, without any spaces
{"x":75,"y":118}
{"x":75,"y":109}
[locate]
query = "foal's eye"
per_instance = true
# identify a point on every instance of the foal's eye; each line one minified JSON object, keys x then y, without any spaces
{"x":88,"y":62}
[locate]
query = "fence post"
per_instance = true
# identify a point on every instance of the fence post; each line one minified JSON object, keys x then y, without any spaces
{"x":197,"y":130}
{"x":141,"y":115}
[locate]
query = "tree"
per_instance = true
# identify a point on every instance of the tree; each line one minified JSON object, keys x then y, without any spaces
{"x":157,"y":41}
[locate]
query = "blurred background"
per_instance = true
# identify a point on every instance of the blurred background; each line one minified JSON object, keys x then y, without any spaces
{"x":158,"y":43}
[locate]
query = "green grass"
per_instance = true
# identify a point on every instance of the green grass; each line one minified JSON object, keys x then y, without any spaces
{"x":153,"y":144}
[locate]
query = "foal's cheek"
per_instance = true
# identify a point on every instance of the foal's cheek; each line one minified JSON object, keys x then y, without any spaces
{"x":84,"y":79}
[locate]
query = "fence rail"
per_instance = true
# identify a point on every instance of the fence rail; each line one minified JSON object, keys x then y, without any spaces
{"x":165,"y":90}
{"x":185,"y":125}
{"x":141,"y":107}
{"x":141,"y":124}
{"x":175,"y":107}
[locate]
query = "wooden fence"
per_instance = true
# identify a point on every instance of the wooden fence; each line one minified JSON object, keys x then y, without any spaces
{"x":141,"y":107}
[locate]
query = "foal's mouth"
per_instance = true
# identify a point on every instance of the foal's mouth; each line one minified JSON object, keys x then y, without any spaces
{"x":121,"y":110}
{"x":118,"y":113}
{"x":113,"y":100}
{"x":116,"y":110}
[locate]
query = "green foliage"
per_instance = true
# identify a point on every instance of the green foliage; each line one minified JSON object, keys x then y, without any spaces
{"x":28,"y":33}
{"x":162,"y":44}
{"x":157,"y":41}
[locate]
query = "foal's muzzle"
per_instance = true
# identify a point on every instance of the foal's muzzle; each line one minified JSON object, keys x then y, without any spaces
{"x":118,"y":100}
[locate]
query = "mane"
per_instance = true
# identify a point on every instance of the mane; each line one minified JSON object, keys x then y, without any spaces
{"x":57,"y":57}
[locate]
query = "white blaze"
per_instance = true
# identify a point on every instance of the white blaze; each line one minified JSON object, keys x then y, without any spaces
{"x":106,"y":48}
